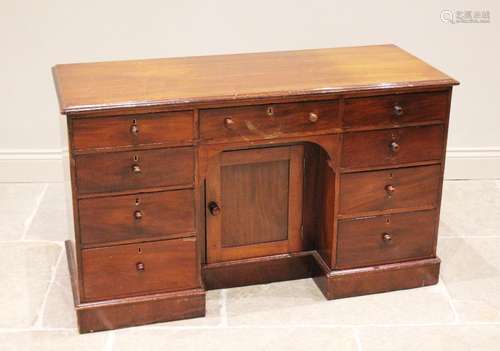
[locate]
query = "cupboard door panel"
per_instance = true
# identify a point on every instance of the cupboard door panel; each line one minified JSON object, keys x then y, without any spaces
{"x":254,"y":203}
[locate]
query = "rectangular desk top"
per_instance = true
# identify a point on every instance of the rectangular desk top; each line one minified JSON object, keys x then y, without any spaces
{"x":220,"y":78}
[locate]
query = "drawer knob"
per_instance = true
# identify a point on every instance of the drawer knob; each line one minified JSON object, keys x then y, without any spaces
{"x":228,"y":123}
{"x":398,"y":110}
{"x":140,"y":267}
{"x":313,"y":117}
{"x":136,"y":169}
{"x":134,"y":129}
{"x":390,"y":189}
{"x":394,"y":146}
{"x":214,"y":208}
{"x":386,"y":237}
{"x":137,"y":214}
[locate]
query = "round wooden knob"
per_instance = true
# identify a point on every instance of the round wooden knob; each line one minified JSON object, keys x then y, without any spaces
{"x":138,"y":214}
{"x":390,"y":189}
{"x":386,"y":237}
{"x":398,"y":110}
{"x":134,"y":129}
{"x":140,"y":267}
{"x":313,"y":117}
{"x":214,"y":208}
{"x":136,"y":169}
{"x":228,"y":123}
{"x":394,"y":146}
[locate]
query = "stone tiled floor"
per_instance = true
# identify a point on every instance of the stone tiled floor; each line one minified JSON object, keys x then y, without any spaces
{"x":462,"y":312}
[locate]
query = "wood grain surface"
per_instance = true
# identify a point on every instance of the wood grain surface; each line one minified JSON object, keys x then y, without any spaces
{"x":154,"y":82}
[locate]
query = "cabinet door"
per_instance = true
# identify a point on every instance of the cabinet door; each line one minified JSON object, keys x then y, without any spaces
{"x":254,"y":203}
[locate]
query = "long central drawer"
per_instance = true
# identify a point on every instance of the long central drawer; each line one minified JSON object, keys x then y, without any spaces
{"x":269,"y":121}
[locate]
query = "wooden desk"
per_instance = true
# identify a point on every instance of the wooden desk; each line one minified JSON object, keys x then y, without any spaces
{"x":212,"y":172}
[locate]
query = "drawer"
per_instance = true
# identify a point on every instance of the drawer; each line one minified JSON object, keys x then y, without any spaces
{"x":136,"y":217}
{"x":393,"y":110}
{"x":134,"y":130}
{"x":132,"y":269}
{"x":269,"y":121}
{"x":390,"y":189}
{"x":386,"y":239}
{"x":134,"y":170}
{"x":392,"y":146}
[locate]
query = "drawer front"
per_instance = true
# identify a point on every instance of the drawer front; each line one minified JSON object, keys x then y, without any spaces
{"x":134,"y":170}
{"x":386,"y":239}
{"x":393,"y":110}
{"x":168,"y":127}
{"x":390,"y":189}
{"x":268,"y":121}
{"x":136,"y":217}
{"x":131,"y":269}
{"x":392,"y":146}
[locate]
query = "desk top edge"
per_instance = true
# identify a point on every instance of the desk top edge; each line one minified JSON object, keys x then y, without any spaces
{"x":118,"y":85}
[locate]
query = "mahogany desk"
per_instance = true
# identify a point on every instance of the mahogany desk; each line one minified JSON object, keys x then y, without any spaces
{"x":199,"y":173}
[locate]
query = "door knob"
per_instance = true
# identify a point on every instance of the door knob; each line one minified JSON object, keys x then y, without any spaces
{"x":213,"y":208}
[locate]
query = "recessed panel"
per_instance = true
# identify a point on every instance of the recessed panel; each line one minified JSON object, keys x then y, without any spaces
{"x":255,"y":202}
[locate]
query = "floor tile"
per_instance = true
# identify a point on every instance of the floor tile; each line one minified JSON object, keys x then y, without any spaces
{"x":470,"y":208}
{"x":25,"y":271}
{"x":431,"y":338}
{"x":59,"y":309}
{"x":471,"y":273}
{"x":51,"y":341}
{"x":241,"y":339}
{"x":17,"y":204}
{"x":301,"y":303}
{"x":51,"y":221}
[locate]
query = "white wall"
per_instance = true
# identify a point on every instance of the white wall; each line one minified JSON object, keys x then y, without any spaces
{"x":37,"y":34}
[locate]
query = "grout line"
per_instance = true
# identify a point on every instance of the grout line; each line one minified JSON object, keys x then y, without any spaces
{"x":446,"y":292}
{"x":357,"y":337}
{"x":223,"y":308}
{"x":29,"y":220}
{"x":22,"y":330}
{"x":34,"y":241}
{"x":324,"y":326}
{"x":41,"y":311}
{"x":110,"y":341}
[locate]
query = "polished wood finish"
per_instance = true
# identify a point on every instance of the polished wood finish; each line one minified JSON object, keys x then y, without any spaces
{"x":395,"y":109}
{"x":232,"y":78}
{"x":127,"y":270}
{"x":139,"y":217}
{"x":134,"y":170}
{"x":385,"y":239}
{"x":392,"y":189}
{"x":124,"y":312}
{"x":268,"y":121}
{"x":259,"y":192}
{"x":377,"y":279}
{"x":384,"y":148}
{"x":260,"y":270}
{"x":211,"y":172}
{"x":131,"y":131}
